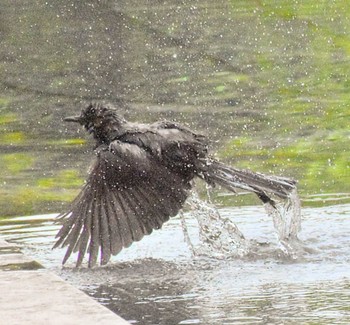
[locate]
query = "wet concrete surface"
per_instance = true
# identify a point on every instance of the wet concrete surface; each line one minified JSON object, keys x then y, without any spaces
{"x":31,"y":294}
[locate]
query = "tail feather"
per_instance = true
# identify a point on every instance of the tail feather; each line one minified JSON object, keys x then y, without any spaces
{"x":263,"y":185}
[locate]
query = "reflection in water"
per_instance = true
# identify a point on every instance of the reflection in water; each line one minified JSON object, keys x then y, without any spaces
{"x":158,"y":281}
{"x":151,"y":291}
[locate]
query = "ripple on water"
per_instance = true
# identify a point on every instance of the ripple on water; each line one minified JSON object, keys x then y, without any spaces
{"x":158,"y":280}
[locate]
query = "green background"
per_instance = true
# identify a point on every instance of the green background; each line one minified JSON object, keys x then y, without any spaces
{"x":267,"y":81}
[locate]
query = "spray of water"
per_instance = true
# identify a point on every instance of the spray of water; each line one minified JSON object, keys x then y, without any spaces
{"x":286,"y":218}
{"x":221,"y":238}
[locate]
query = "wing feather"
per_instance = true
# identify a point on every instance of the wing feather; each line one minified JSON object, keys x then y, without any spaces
{"x":86,"y":213}
{"x":95,"y":234}
{"x":121,"y":216}
{"x":151,"y":212}
{"x":104,"y":233}
{"x":132,"y":222}
{"x":115,"y":237}
{"x":85,"y":236}
{"x":156,"y":204}
{"x":126,"y":196}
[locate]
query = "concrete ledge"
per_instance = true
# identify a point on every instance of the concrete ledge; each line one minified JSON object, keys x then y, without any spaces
{"x":40,"y":297}
{"x":4,"y":244}
{"x":11,"y":258}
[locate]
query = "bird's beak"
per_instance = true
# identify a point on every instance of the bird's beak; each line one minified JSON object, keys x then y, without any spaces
{"x":76,"y":119}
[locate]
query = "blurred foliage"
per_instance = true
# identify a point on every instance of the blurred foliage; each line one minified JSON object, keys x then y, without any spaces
{"x":267,"y":81}
{"x":311,"y":106}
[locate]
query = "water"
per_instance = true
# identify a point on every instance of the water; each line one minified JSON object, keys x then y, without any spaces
{"x":268,"y":83}
{"x":159,"y":281}
{"x":220,"y":237}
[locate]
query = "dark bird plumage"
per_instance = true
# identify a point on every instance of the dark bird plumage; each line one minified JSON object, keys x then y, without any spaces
{"x":140,"y":178}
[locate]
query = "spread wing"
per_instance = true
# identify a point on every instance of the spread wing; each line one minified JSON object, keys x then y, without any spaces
{"x":127,"y":195}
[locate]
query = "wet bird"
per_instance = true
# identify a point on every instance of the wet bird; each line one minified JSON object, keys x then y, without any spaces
{"x":141,"y":176}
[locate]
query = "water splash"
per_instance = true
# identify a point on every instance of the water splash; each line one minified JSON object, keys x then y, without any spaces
{"x":286,"y":218}
{"x":219,"y":236}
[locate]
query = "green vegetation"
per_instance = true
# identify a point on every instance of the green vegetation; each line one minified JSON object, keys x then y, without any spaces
{"x":44,"y":194}
{"x":68,"y":178}
{"x":14,"y":163}
{"x":68,"y":142}
{"x":269,"y":79}
{"x":308,"y":95}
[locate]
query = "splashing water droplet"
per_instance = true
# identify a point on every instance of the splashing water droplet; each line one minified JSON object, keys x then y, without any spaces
{"x":219,"y":237}
{"x":286,"y":218}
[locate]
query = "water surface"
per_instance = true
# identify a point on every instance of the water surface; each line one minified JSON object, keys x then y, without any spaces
{"x":158,"y":281}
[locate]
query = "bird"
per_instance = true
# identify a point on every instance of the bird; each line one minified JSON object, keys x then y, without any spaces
{"x":141,"y":176}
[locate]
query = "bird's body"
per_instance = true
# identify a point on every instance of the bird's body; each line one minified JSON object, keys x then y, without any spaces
{"x":142,"y":175}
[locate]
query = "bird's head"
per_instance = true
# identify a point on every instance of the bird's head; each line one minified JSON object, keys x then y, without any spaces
{"x":100,"y":120}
